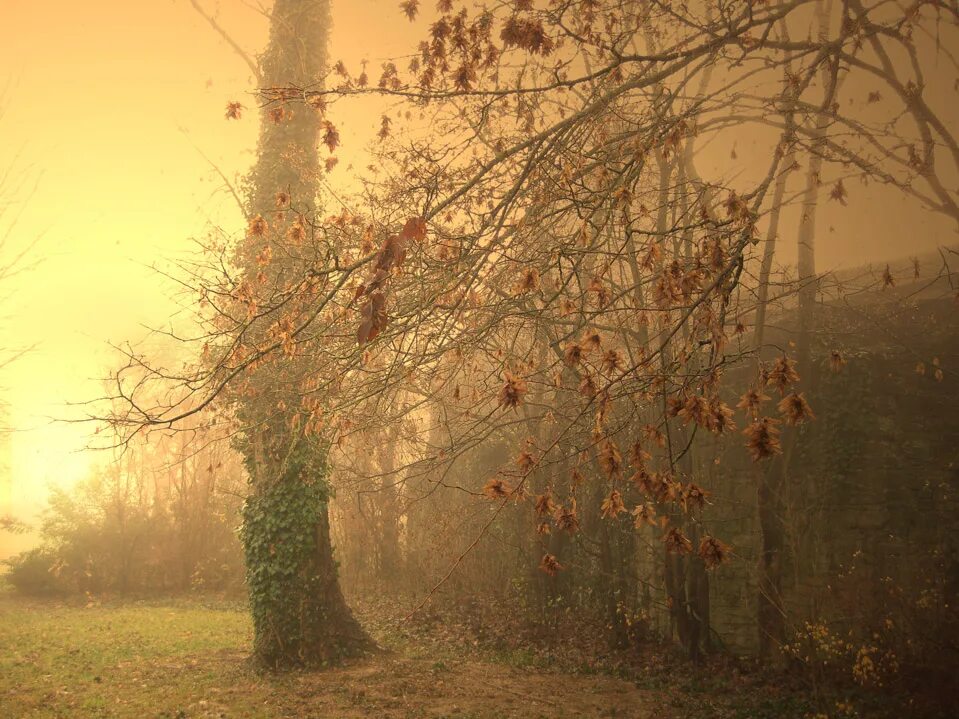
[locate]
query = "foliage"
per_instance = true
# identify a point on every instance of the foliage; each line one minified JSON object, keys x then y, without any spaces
{"x":884,"y":642}
{"x":541,"y":263}
{"x":32,"y":573}
{"x":279,"y":535}
{"x":136,"y":529}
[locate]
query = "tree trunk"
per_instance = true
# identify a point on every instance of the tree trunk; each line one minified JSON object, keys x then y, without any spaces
{"x":770,"y":615}
{"x":300,"y":616}
{"x":388,"y":514}
{"x":771,"y":612}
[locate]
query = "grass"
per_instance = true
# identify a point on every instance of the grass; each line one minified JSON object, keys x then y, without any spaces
{"x":139,"y":659}
{"x":187,"y":659}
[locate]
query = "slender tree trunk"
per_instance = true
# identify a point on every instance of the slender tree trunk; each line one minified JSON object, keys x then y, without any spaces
{"x":388,"y":511}
{"x":771,"y":612}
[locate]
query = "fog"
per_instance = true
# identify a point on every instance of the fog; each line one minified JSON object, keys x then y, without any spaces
{"x":609,"y":345}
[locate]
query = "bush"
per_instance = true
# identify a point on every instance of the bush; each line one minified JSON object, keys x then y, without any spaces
{"x":149,"y":525}
{"x":33,"y":573}
{"x":883,"y":640}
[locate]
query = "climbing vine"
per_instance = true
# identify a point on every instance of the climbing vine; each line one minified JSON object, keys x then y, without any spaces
{"x":279,"y":535}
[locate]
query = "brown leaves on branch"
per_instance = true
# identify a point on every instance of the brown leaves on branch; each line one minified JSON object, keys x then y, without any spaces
{"x":464,"y":77}
{"x":415,"y":229}
{"x":234,"y":111}
{"x":638,"y":457}
{"x":526,"y":461}
{"x":528,"y":282}
{"x":721,"y":418}
{"x":410,"y":8}
{"x":610,"y":460}
{"x":391,"y":255}
{"x":692,"y":495}
{"x":839,"y":193}
{"x":762,"y":438}
{"x":331,"y":136}
{"x":695,"y":408}
{"x":587,"y":387}
{"x":573,"y":354}
{"x":496,"y":488}
{"x":613,"y":505}
{"x":550,"y":565}
{"x":713,"y":552}
{"x":676,"y":542}
{"x":567,"y":519}
{"x":592,"y":341}
{"x":599,"y":289}
{"x":390,"y":77}
{"x":737,"y":209}
{"x":613,"y":361}
{"x":654,"y":435}
{"x":296,"y":232}
{"x":384,"y":131}
{"x":544,"y":505}
{"x":512,"y":391}
{"x":751,"y":402}
{"x":644,"y":515}
{"x":373,"y":317}
{"x":783,"y":374}
{"x":318,"y":103}
{"x":795,"y":409}
{"x":257,"y":226}
{"x":526,"y":34}
{"x":712,"y":414}
{"x":264,"y":256}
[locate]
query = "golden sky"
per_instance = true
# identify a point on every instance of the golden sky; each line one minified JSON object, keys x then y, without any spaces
{"x":106,"y":108}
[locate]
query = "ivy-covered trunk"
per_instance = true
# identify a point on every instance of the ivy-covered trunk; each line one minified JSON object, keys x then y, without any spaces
{"x":299,"y":615}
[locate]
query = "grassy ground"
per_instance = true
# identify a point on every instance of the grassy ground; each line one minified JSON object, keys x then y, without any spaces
{"x":189,"y":659}
{"x":181,"y":658}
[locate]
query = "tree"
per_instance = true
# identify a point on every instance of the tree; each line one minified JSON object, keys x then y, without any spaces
{"x":160,"y":516}
{"x":15,"y":258}
{"x":543,"y":263}
{"x":299,"y":614}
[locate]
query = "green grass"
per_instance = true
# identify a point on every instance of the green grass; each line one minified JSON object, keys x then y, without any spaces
{"x":140,"y":659}
{"x":185,"y":659}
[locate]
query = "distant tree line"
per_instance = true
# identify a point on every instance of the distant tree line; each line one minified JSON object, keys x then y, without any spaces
{"x":162,"y":517}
